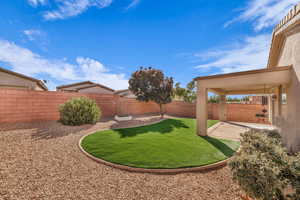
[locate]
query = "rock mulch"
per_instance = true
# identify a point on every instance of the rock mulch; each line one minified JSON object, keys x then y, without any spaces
{"x":43,"y":161}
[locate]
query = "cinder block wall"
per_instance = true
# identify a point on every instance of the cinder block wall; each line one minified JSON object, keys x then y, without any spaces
{"x":128,"y":106}
{"x":181,"y":109}
{"x":31,"y":106}
{"x":244,"y":112}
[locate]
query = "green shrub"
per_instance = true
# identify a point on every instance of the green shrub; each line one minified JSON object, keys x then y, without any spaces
{"x":264,"y":169}
{"x":79,"y":111}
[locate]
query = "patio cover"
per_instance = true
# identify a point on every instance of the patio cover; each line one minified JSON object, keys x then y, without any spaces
{"x":263,"y":81}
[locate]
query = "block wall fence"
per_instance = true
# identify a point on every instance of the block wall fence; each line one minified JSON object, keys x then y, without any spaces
{"x":32,"y":106}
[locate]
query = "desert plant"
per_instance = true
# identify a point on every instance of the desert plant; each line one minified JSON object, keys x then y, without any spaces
{"x":149,"y":84}
{"x":78,"y":111}
{"x":291,"y":172}
{"x":264,"y":169}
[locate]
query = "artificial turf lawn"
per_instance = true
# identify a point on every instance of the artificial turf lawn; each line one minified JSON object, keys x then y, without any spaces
{"x":172,"y":143}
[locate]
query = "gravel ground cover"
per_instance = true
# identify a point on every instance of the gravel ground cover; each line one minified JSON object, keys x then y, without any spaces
{"x":43,"y":161}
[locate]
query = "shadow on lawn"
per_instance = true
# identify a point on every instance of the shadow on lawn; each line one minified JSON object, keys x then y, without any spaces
{"x":163,"y":127}
{"x":225,"y":149}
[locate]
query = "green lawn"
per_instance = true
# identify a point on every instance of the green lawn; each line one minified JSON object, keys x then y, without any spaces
{"x":172,"y":143}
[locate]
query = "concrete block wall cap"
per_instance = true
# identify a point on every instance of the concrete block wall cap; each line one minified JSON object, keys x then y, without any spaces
{"x":290,"y":15}
{"x":204,"y":168}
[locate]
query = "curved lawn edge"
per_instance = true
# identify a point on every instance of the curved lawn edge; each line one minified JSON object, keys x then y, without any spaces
{"x":208,"y":167}
{"x":217,"y":165}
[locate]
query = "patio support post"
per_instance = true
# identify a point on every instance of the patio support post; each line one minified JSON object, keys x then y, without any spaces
{"x":201,"y":112}
{"x":278,"y":102}
{"x":222,"y":108}
{"x":270,"y":110}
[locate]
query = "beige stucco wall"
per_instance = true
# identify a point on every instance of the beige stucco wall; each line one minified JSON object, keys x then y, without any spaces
{"x":75,"y":87}
{"x":96,"y":90}
{"x":11,"y":81}
{"x":127,"y":94}
{"x":288,"y":123}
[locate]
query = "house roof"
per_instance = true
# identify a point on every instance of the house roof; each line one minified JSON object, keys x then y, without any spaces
{"x":39,"y":82}
{"x":243,"y":73}
{"x":121,"y":91}
{"x":95,"y":85}
{"x":91,"y":84}
{"x":74,"y":84}
{"x":260,"y":81}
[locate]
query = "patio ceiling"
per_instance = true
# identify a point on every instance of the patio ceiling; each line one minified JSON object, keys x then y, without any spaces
{"x":261,"y":81}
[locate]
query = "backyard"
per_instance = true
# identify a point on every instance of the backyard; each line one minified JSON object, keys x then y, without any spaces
{"x":150,"y":100}
{"x":43,"y":161}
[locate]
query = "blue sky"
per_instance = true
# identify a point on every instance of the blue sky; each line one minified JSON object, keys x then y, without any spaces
{"x":66,"y":41}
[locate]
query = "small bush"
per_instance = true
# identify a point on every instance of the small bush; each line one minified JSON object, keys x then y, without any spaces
{"x":79,"y":111}
{"x":263,"y":168}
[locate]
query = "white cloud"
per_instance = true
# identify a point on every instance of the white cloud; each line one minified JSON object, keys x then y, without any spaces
{"x":264,"y":13}
{"x":70,"y":8}
{"x":37,"y":2}
{"x":31,"y":34}
{"x":133,"y":4}
{"x":24,"y":61}
{"x":248,"y":55}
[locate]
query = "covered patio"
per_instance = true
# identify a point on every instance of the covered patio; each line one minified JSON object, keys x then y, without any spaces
{"x":269,"y":81}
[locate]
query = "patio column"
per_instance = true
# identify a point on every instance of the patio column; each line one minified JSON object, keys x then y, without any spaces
{"x":201,"y":112}
{"x":222,"y":108}
{"x":278,"y":101}
{"x":271,"y":109}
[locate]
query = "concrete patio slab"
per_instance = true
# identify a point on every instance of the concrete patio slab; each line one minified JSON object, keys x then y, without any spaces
{"x":227,"y":130}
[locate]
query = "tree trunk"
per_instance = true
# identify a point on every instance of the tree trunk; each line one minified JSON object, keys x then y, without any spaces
{"x":161,"y":111}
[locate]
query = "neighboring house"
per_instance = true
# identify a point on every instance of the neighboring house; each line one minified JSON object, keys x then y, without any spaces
{"x":10,"y":79}
{"x":280,"y":80}
{"x":125,"y":93}
{"x":86,"y":87}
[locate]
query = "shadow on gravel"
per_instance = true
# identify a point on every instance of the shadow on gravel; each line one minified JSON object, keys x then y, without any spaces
{"x":52,"y":129}
{"x":55,"y":130}
{"x":49,"y":130}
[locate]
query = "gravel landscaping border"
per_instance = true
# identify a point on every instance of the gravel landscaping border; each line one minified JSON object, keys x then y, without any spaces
{"x":42,"y":161}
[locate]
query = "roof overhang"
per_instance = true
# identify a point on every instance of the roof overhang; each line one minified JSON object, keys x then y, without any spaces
{"x":248,"y":82}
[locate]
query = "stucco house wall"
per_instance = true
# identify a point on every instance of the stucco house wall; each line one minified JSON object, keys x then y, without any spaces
{"x":72,"y":88}
{"x":288,"y":123}
{"x":11,"y":81}
{"x":86,"y":87}
{"x":95,"y":90}
{"x":125,"y":93}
